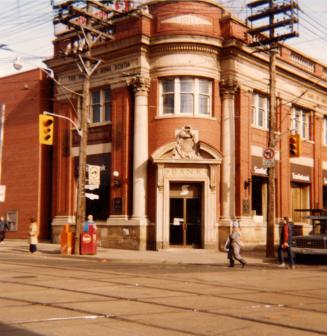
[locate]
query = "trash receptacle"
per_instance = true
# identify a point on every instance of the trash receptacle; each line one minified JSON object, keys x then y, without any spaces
{"x":89,"y":241}
{"x":66,"y":241}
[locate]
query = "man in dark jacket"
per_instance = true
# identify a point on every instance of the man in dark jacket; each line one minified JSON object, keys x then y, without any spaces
{"x":285,"y":243}
{"x":3,"y":228}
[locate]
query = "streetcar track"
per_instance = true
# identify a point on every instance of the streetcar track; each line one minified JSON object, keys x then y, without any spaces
{"x":147,"y":324}
{"x":146,"y":301}
{"x":203,"y":283}
{"x":160,"y":304}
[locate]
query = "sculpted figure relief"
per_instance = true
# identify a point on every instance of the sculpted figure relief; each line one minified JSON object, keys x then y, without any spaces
{"x":187,"y":146}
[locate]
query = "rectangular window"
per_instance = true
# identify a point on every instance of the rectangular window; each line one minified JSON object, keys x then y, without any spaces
{"x":260,"y":111}
{"x":168,"y":96}
{"x":12,"y":220}
{"x":325,"y":131}
{"x":301,"y":122}
{"x":204,"y":96}
{"x":100,"y":105}
{"x":185,"y":96}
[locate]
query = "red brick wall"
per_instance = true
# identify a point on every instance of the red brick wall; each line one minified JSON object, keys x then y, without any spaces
{"x":23,"y":166}
{"x":122,"y":145}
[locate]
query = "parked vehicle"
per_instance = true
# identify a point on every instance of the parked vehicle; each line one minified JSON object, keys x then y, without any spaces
{"x":315,"y":242}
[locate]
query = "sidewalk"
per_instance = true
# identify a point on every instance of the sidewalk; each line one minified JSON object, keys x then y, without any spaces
{"x":172,"y":255}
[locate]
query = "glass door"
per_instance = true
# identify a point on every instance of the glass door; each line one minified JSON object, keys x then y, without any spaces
{"x":185,"y":215}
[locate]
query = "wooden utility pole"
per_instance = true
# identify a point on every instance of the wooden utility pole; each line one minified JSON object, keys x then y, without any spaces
{"x":287,"y":17}
{"x":79,"y":17}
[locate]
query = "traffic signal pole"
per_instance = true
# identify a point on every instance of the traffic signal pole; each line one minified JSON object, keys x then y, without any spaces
{"x":280,"y":15}
{"x":80,"y":217}
{"x":89,"y":30}
{"x":270,"y":235}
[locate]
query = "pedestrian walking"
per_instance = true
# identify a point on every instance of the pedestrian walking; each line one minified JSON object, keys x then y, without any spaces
{"x":33,"y":233}
{"x":233,"y":246}
{"x":3,"y":228}
{"x":285,"y":240}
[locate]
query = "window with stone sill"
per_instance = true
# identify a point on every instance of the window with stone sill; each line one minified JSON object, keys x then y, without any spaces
{"x":185,"y":96}
{"x":260,"y":111}
{"x":301,"y":122}
{"x":100,"y":110}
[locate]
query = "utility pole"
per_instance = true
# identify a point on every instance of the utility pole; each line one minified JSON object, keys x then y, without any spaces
{"x":280,"y":17}
{"x":90,"y":20}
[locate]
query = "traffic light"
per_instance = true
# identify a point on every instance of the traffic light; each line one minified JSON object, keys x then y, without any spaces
{"x":45,"y":129}
{"x":294,"y":145}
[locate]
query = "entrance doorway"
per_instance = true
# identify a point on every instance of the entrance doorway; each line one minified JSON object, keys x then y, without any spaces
{"x":185,"y":215}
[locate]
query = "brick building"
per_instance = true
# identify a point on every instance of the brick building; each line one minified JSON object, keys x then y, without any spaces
{"x":178,"y":123}
{"x":25,"y":165}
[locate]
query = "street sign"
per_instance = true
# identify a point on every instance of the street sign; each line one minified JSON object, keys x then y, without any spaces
{"x":268,"y":163}
{"x":2,"y":193}
{"x":268,"y":153}
{"x":94,"y":175}
{"x":91,"y":196}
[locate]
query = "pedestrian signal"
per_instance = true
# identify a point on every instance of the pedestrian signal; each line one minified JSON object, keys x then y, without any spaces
{"x":46,"y":129}
{"x":294,"y":145}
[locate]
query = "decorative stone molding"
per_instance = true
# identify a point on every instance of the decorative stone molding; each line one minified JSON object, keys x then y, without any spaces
{"x":228,"y":87}
{"x":180,"y":47}
{"x":187,"y":144}
{"x":140,"y":84}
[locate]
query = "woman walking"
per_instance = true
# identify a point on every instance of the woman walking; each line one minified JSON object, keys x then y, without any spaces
{"x":233,"y":246}
{"x":33,"y":233}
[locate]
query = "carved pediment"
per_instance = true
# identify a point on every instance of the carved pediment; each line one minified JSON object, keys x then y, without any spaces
{"x":187,"y":149}
{"x":206,"y":154}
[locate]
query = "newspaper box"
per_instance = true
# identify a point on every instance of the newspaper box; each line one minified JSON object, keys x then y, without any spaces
{"x":89,"y":241}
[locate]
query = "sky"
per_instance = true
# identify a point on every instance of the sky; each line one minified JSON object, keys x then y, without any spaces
{"x":26,"y":29}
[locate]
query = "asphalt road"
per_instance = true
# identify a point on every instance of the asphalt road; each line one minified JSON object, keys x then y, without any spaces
{"x":53,"y":295}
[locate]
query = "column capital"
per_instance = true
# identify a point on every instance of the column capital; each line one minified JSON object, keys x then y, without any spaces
{"x":140,"y":84}
{"x":228,"y":87}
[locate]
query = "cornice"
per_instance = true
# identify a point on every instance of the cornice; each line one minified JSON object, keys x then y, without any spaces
{"x":184,"y":47}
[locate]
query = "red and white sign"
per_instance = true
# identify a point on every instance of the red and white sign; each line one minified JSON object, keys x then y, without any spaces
{"x":86,"y":238}
{"x":269,"y":153}
{"x":2,"y":193}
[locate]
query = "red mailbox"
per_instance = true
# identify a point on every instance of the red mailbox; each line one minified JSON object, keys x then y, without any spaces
{"x":89,"y":241}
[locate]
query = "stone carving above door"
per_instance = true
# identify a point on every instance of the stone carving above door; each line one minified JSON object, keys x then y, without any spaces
{"x":187,"y":144}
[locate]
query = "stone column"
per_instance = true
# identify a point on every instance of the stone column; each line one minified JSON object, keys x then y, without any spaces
{"x":141,"y":87}
{"x":228,"y":89}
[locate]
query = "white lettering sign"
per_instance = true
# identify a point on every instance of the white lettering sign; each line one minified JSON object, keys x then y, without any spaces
{"x":2,"y":193}
{"x":262,"y":171}
{"x":300,"y":177}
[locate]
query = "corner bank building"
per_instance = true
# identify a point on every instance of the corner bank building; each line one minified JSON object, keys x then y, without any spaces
{"x":178,"y":123}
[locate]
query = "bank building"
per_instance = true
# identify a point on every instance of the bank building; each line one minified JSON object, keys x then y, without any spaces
{"x":178,"y":124}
